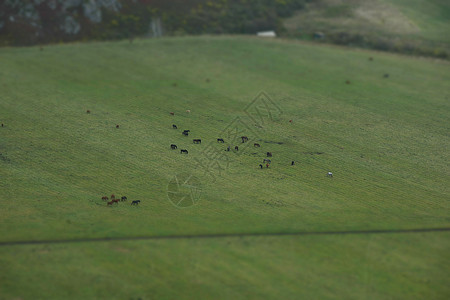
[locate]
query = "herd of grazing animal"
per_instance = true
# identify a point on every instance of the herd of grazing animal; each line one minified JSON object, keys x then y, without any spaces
{"x":117,"y":200}
{"x":244,"y":139}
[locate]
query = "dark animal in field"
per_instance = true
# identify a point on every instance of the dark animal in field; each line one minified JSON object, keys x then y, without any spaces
{"x":174,"y":126}
{"x":228,"y":148}
{"x":266,"y":160}
{"x":267,"y":165}
{"x":261,"y":166}
{"x":244,"y":139}
{"x":236,"y":148}
{"x":112,"y":196}
{"x":290,"y":121}
{"x":117,"y":126}
{"x":256,"y":145}
{"x":124,"y":198}
{"x":105,"y":198}
{"x":173,"y":146}
{"x":329,"y":174}
{"x":135,"y":202}
{"x":197,"y":141}
{"x":186,"y":133}
{"x":115,"y":200}
{"x":386,"y":75}
{"x":269,"y":154}
{"x":184,"y":151}
{"x":347,"y":81}
{"x":3,"y":125}
{"x":110,"y":202}
{"x":220,"y":140}
{"x":172,"y":113}
{"x":88,"y":111}
{"x":292,"y":163}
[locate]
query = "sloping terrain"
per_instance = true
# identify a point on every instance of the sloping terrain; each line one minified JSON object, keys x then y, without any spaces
{"x":380,"y":125}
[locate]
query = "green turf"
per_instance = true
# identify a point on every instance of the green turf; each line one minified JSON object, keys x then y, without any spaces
{"x":385,"y":139}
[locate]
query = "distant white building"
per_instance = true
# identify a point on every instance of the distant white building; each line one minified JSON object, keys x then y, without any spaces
{"x":266,"y":34}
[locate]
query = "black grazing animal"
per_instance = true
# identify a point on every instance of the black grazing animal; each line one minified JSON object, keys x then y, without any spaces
{"x":135,"y":202}
{"x":244,"y":139}
{"x":184,"y":151}
{"x":236,"y":148}
{"x":117,"y":126}
{"x":292,"y":163}
{"x":173,"y":146}
{"x":2,"y":125}
{"x":174,"y":126}
{"x":228,"y":148}
{"x":124,"y":198}
{"x":221,"y":140}
{"x":256,"y":145}
{"x":260,"y":166}
{"x":269,"y":154}
{"x":186,"y":133}
{"x":197,"y":141}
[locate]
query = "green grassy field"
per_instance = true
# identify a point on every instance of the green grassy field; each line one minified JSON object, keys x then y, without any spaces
{"x":385,"y":140}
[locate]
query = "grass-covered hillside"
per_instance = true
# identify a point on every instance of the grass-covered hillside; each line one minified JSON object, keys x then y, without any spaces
{"x":380,"y":125}
{"x":407,"y":26}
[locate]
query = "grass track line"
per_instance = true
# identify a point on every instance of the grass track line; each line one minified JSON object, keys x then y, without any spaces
{"x":224,"y":235}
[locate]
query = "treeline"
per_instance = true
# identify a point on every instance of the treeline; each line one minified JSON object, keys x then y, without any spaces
{"x":30,"y":22}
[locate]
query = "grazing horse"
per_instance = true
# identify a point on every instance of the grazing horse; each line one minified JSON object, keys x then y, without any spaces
{"x":292,"y":163}
{"x":244,"y":139}
{"x":124,"y":198}
{"x":105,"y":198}
{"x":88,"y":111}
{"x":115,"y":200}
{"x":184,"y":151}
{"x":197,"y":141}
{"x":112,"y":196}
{"x":173,"y":146}
{"x":174,"y":126}
{"x":186,"y":133}
{"x":135,"y":202}
{"x":220,"y":140}
{"x":267,"y":165}
{"x":261,"y":166}
{"x":329,"y":174}
{"x":172,"y":113}
{"x":269,"y":154}
{"x":117,"y":126}
{"x":236,"y":148}
{"x":188,"y":111}
{"x":256,"y":145}
{"x":228,"y":148}
{"x":110,"y":202}
{"x":266,"y":160}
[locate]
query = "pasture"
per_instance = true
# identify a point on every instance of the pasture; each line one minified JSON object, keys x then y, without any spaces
{"x":385,"y":140}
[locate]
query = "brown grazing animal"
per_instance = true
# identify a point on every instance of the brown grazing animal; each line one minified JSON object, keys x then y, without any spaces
{"x":105,"y":198}
{"x":88,"y":111}
{"x":256,"y":145}
{"x":112,"y":196}
{"x":172,"y":113}
{"x":269,"y":154}
{"x":117,"y":126}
